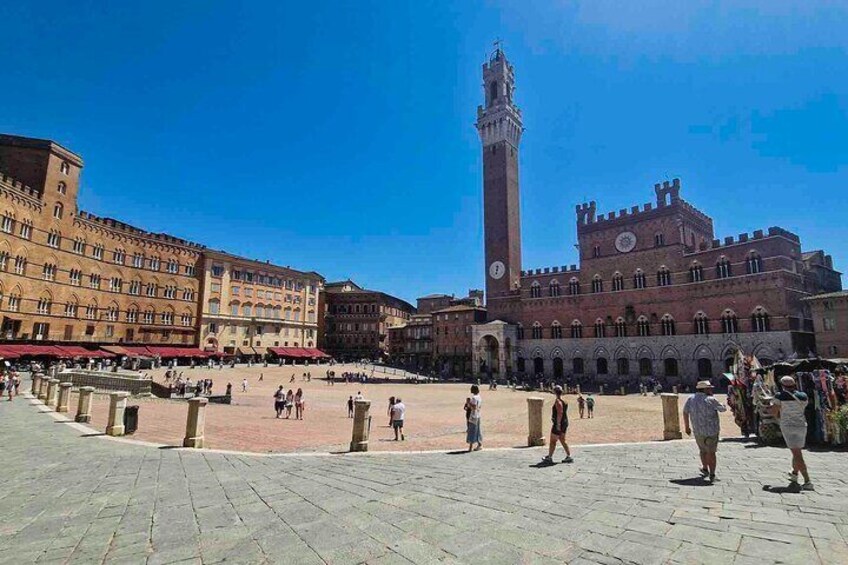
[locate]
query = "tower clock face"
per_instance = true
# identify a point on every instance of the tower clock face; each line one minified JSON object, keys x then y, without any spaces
{"x":625,"y":242}
{"x":497,"y":270}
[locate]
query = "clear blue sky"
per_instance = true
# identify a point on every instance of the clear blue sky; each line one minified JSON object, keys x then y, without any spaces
{"x":339,"y":137}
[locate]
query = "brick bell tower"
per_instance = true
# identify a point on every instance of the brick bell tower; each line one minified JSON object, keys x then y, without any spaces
{"x":499,"y":125}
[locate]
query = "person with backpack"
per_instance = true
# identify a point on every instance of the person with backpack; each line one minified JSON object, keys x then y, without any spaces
{"x":590,"y":406}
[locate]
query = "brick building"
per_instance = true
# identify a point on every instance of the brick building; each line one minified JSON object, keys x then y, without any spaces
{"x":411,"y":344}
{"x":355,"y":322}
{"x":656,"y":294}
{"x":69,"y":276}
{"x":830,"y":321}
{"x":249,"y":306}
{"x":452,"y":327}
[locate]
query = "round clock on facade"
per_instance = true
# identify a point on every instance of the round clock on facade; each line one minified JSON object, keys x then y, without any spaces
{"x":625,"y":241}
{"x":497,"y":270}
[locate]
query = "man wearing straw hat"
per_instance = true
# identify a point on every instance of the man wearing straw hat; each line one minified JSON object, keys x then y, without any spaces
{"x":789,"y":406}
{"x":702,"y":411}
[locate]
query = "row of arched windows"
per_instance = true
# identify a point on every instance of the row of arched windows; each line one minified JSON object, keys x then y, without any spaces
{"x":664,"y":277}
{"x":250,"y":310}
{"x":670,"y":365}
{"x":44,"y":306}
{"x":728,"y":323}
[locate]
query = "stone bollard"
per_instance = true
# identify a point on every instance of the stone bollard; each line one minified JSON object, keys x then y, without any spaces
{"x":361,"y":425}
{"x":42,"y":388}
{"x":622,"y":391}
{"x":674,"y":389}
{"x":50,"y":397}
{"x":578,"y":389}
{"x":64,"y":397}
{"x":671,"y":417}
{"x":84,"y":405}
{"x":36,"y":384}
{"x":117,"y":405}
{"x":195,"y":422}
{"x":535,"y":436}
{"x":602,"y":390}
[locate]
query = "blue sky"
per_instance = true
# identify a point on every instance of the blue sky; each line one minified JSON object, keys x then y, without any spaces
{"x":338,"y":137}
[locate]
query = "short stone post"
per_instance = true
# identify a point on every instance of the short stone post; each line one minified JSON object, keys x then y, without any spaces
{"x":36,"y":384}
{"x":535,"y":437}
{"x":195,"y":422}
{"x":578,"y":389}
{"x":602,"y":390}
{"x":84,"y":405}
{"x":42,"y":388}
{"x":674,"y":389}
{"x":622,"y":391}
{"x":361,"y":425}
{"x":117,"y":405}
{"x":671,"y":417}
{"x":50,"y":397}
{"x":64,"y":397}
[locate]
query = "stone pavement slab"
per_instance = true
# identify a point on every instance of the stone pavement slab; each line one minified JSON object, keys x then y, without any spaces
{"x":71,"y":498}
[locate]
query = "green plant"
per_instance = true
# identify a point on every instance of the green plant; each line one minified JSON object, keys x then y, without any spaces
{"x":842,"y":418}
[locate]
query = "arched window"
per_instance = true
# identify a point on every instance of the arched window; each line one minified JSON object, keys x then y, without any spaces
{"x":670,"y":366}
{"x":705,"y":369}
{"x":62,"y":187}
{"x":556,"y":330}
{"x":58,"y":210}
{"x":643,"y":327}
{"x":667,"y":325}
{"x":696,"y":273}
{"x":493,"y":92}
{"x":214,"y":306}
{"x":620,"y":327}
{"x":600,"y":328}
{"x":623,"y":365}
{"x":646,"y":367}
{"x":554,"y":288}
{"x":659,"y":240}
{"x":573,"y":286}
{"x":537,"y":330}
{"x":576,"y":329}
{"x":753,"y":264}
{"x":519,"y":332}
{"x":663,"y":277}
{"x":617,"y":282}
{"x":601,"y":366}
{"x":535,"y":290}
{"x":44,"y":305}
{"x":729,"y":322}
{"x":597,"y":284}
{"x":577,"y":365}
{"x":64,"y":168}
{"x":639,"y":279}
{"x":723,"y":269}
{"x":558,"y":368}
{"x":4,"y":260}
{"x":760,"y":320}
{"x":71,"y":309}
{"x":702,"y":324}
{"x":247,"y":310}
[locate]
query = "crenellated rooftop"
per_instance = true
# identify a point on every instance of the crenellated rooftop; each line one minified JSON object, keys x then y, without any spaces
{"x":122,"y":227}
{"x":18,"y":186}
{"x":773,"y":231}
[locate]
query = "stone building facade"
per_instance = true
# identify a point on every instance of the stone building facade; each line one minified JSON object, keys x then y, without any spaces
{"x":355,"y":321}
{"x":452,"y":338}
{"x":249,"y":306}
{"x":411,"y":344}
{"x":656,"y":294}
{"x":830,"y":321}
{"x":69,"y":276}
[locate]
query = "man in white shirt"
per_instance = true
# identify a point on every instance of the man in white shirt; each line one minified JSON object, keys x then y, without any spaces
{"x":398,"y":414}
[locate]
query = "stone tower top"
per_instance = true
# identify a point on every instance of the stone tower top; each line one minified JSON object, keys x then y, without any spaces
{"x":500,"y":119}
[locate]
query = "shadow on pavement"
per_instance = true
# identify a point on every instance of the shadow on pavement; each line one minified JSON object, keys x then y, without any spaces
{"x":693,"y":482}
{"x":541,"y":465}
{"x":458,"y":452}
{"x":169,"y":447}
{"x":791,"y":489}
{"x":95,"y":434}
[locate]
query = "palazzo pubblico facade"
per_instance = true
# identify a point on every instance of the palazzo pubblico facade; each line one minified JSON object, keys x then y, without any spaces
{"x":656,"y":293}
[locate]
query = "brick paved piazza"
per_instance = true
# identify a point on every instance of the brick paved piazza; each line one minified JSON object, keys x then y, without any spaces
{"x":435,"y":417}
{"x":69,"y":497}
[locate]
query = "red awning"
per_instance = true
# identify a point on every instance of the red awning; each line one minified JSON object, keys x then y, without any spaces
{"x":22,"y":349}
{"x":6,"y":353}
{"x":299,"y":352}
{"x":177,"y":352}
{"x":72,"y":351}
{"x":137,"y":351}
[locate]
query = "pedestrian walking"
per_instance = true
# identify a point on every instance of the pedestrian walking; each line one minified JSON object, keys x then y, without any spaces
{"x":789,"y":406}
{"x":350,"y":407}
{"x":298,"y":404}
{"x":581,"y":405}
{"x":244,"y":385}
{"x":701,"y":411}
{"x":289,"y":403}
{"x":398,"y":416}
{"x":389,"y":411}
{"x":559,"y":419}
{"x":474,"y":434}
{"x":590,"y":406}
{"x":280,"y":401}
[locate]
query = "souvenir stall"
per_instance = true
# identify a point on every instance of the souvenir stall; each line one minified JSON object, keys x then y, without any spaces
{"x":743,"y":397}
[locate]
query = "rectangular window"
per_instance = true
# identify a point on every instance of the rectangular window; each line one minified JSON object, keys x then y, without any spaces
{"x":829,"y":324}
{"x":215,"y":287}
